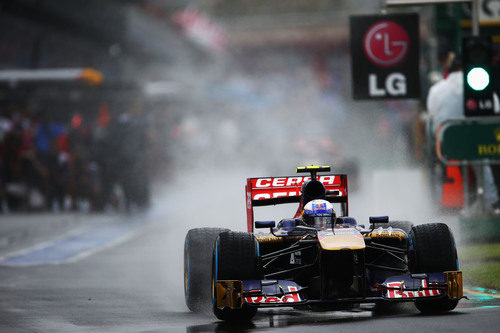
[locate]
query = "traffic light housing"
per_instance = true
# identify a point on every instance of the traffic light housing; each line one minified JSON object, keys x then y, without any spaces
{"x":478,"y":77}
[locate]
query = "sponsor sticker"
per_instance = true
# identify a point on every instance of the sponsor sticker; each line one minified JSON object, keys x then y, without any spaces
{"x":291,"y":181}
{"x":289,"y":298}
{"x":279,"y":187}
{"x":295,"y":258}
{"x":394,"y":293}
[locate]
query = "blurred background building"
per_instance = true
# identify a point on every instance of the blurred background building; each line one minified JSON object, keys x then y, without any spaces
{"x":100,"y":98}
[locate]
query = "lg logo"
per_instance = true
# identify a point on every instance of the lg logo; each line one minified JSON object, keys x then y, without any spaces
{"x":386,"y":44}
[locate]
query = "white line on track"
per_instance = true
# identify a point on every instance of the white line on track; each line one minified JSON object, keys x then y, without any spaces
{"x":77,"y":244}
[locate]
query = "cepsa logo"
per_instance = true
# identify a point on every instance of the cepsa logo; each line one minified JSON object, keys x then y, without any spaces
{"x":267,"y":188}
{"x":291,"y":181}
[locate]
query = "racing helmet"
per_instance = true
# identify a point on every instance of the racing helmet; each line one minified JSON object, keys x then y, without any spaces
{"x":318,"y":213}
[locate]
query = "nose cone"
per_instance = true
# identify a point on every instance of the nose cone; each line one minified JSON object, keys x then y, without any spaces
{"x":341,"y":242}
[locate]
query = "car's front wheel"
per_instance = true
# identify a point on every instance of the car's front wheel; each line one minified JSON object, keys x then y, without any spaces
{"x":432,"y":249}
{"x":235,"y":257}
{"x":198,"y":247}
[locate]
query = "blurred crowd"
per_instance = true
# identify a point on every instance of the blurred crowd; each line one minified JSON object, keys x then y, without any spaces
{"x":78,"y":164}
{"x":287,"y":109}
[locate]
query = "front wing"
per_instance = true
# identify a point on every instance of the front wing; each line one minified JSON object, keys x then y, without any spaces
{"x":281,"y":293}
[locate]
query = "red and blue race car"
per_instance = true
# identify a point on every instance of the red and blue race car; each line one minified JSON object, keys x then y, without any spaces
{"x":319,"y":259}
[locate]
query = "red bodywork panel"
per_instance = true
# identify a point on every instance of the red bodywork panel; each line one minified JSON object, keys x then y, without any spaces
{"x":276,"y":190}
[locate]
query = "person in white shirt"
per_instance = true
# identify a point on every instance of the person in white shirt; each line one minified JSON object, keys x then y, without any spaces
{"x":444,"y":102}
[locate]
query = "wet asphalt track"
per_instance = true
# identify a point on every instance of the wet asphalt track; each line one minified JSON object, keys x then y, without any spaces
{"x":128,"y":278}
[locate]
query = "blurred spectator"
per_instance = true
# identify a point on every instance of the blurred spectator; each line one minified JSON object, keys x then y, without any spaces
{"x":445,"y":99}
{"x":46,"y":164}
{"x":126,"y":138}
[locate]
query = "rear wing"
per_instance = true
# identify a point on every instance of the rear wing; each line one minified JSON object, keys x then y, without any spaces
{"x":268,"y":191}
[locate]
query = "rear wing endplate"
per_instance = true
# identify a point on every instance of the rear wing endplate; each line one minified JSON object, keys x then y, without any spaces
{"x":268,"y":191}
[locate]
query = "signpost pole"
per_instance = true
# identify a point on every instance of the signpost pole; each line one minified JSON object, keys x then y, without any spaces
{"x":475,"y":17}
{"x":480,"y":187}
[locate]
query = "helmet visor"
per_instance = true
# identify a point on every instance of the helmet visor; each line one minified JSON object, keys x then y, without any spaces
{"x":319,"y":220}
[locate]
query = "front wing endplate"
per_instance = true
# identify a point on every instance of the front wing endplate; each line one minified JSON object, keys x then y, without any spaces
{"x":229,"y":294}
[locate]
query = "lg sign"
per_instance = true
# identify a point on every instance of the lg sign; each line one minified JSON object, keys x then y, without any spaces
{"x":383,"y":56}
{"x":386,"y":45}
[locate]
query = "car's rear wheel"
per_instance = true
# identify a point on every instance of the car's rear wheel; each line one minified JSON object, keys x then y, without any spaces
{"x":235,"y":257}
{"x":198,"y":248}
{"x":432,"y":249}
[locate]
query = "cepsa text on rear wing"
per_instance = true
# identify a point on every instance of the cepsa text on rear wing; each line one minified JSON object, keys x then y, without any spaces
{"x":266,"y":191}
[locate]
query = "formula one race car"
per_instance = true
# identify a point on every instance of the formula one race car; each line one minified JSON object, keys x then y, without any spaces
{"x":319,"y":259}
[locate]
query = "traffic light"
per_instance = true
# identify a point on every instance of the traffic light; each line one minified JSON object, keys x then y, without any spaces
{"x":478,"y":76}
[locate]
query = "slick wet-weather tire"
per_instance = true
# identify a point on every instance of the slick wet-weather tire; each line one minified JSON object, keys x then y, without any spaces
{"x":235,"y":257}
{"x":198,"y":248}
{"x":432,"y":249}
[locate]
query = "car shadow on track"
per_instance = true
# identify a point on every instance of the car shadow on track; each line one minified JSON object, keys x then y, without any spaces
{"x":290,"y":318}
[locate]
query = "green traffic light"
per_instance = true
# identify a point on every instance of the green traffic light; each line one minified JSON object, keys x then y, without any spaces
{"x":478,"y":78}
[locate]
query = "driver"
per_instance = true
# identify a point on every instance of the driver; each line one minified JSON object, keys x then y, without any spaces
{"x":318,"y":213}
